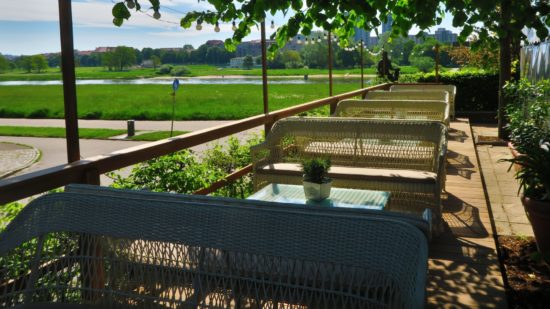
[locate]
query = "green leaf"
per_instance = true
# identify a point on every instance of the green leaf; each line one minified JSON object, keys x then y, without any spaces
{"x":459,"y":19}
{"x":120,"y":11}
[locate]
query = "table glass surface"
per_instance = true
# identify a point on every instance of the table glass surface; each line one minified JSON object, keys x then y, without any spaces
{"x":339,"y":197}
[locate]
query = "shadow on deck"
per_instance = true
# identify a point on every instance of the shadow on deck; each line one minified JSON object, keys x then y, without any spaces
{"x":464,"y":270}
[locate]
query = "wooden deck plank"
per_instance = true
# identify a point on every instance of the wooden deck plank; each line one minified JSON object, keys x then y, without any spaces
{"x":464,"y":271}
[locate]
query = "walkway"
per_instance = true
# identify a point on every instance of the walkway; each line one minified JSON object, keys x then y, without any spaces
{"x":508,"y":212}
{"x":464,"y":269}
{"x":15,"y":157}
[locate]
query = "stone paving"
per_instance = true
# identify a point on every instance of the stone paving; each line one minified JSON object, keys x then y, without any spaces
{"x":15,"y":157}
{"x":502,"y":189}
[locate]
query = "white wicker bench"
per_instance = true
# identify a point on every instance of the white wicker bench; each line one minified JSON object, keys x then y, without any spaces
{"x":451,"y":89}
{"x":406,"y":158}
{"x":395,"y":109}
{"x":106,"y":251}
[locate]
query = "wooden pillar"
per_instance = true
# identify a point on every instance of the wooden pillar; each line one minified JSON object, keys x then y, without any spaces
{"x":267,"y":126}
{"x":362,"y":64}
{"x":69,"y":80}
{"x":505,"y":72}
{"x":329,"y":41}
{"x":436,"y":48}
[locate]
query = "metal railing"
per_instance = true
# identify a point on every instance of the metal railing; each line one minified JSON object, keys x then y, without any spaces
{"x":88,"y":170}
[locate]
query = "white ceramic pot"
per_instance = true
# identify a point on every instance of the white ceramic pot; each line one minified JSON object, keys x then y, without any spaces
{"x":317,"y":191}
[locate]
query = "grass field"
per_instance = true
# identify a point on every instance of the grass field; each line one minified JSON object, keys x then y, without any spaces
{"x":196,"y":70}
{"x":81,"y":73}
{"x":154,"y":102}
{"x":84,"y":133}
{"x":155,"y":136}
{"x":57,"y":132}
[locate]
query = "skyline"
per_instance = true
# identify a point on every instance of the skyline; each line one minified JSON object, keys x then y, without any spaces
{"x":32,"y":27}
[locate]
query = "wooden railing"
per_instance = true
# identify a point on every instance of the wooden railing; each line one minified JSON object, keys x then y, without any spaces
{"x":88,"y":170}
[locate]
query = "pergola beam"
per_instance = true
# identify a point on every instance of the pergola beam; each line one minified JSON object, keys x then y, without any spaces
{"x":69,"y":80}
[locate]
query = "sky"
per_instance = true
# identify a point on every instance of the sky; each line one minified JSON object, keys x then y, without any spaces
{"x":32,"y":26}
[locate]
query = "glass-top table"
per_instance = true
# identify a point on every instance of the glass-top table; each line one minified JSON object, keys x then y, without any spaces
{"x":339,"y":197}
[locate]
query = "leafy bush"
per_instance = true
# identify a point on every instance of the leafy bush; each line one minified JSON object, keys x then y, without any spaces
{"x":184,"y":172}
{"x":477,"y":90}
{"x":528,"y":112}
{"x":424,"y":64}
{"x":181,"y":71}
{"x":8,"y":212}
{"x":165,"y":69}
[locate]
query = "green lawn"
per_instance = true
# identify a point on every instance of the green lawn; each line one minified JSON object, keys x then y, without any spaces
{"x":154,"y":102}
{"x":81,"y":73}
{"x":57,"y":132}
{"x":196,"y":70}
{"x":155,"y":136}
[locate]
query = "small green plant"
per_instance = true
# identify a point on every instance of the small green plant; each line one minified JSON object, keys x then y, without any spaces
{"x":316,"y":170}
{"x":534,"y":175}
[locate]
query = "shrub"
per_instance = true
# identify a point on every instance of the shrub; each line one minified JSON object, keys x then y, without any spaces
{"x":528,"y":112}
{"x":183,"y":172}
{"x":181,"y":71}
{"x":477,"y":90}
{"x":39,"y":113}
{"x":165,"y":69}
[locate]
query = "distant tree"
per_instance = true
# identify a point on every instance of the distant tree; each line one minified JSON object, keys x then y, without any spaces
{"x":54,"y":60}
{"x":120,"y":58}
{"x":25,"y":63}
{"x":248,"y":62}
{"x":39,"y":63}
{"x":4,"y":64}
{"x":156,"y":61}
{"x":485,"y":58}
{"x":146,"y":53}
{"x":423,"y":63}
{"x":188,"y":47}
{"x":291,"y":59}
{"x":107,"y":60}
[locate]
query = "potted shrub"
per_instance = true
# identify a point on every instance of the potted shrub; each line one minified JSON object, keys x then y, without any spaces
{"x":316,"y":183}
{"x":528,"y":112}
{"x":534,"y":179}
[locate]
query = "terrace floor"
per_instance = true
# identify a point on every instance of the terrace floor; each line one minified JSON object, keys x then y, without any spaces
{"x":464,"y":270}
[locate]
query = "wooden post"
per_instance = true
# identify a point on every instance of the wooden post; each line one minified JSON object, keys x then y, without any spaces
{"x":505,"y":72}
{"x":437,"y":63}
{"x":329,"y":41}
{"x":69,"y":80}
{"x":267,"y":126}
{"x":362,"y":64}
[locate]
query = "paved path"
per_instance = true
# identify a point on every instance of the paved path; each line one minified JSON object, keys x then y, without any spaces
{"x":15,"y":157}
{"x":464,"y":270}
{"x":502,"y":189}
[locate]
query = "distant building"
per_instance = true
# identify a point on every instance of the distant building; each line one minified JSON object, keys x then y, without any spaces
{"x":236,"y":62}
{"x":103,"y":49}
{"x":386,"y":27}
{"x":372,"y":41}
{"x":445,"y":36}
{"x":361,"y":35}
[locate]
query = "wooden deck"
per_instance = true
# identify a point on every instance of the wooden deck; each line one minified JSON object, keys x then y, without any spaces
{"x":463,"y":267}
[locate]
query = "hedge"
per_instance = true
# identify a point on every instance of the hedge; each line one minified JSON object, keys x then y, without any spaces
{"x":476,"y":90}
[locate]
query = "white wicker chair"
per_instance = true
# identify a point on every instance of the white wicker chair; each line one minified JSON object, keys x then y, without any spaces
{"x":395,"y":109}
{"x":430,"y":87}
{"x":404,"y":157}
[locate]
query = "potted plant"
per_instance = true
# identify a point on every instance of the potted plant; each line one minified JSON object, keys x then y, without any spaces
{"x":534,"y":179}
{"x":316,"y":183}
{"x":528,"y":113}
